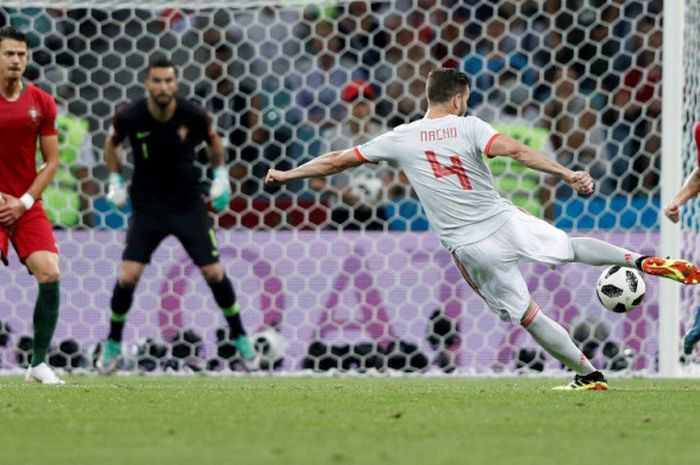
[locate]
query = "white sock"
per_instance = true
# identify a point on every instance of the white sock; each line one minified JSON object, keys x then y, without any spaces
{"x":555,"y":340}
{"x":596,"y":252}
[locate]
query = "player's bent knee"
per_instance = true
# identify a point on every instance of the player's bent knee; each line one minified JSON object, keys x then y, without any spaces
{"x":213,"y":273}
{"x":129,"y":280}
{"x":47,"y":275}
{"x":44,"y":266}
{"x":130,"y":273}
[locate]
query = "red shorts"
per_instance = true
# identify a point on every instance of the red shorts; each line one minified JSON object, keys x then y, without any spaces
{"x":31,"y":233}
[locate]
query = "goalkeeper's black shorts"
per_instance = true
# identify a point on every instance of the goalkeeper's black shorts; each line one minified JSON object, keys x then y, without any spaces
{"x":191,"y":226}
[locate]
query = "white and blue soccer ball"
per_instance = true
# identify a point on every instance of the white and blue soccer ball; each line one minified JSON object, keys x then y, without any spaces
{"x":620,"y":289}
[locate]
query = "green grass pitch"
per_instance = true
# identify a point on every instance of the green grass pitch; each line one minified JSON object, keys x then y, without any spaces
{"x":327,"y":421}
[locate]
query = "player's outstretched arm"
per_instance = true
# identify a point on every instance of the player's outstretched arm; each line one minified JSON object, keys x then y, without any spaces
{"x":324,"y":165}
{"x":690,"y":189}
{"x":504,"y":145}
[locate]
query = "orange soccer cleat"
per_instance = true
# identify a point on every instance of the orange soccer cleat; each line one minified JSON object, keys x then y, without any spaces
{"x":678,"y":270}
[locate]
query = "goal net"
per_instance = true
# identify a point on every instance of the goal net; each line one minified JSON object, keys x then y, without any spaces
{"x":343,"y":274}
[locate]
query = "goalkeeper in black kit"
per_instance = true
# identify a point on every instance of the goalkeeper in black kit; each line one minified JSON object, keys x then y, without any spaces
{"x":164,"y":130}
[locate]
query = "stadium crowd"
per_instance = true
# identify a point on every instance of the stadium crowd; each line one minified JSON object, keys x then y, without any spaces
{"x":279,"y":80}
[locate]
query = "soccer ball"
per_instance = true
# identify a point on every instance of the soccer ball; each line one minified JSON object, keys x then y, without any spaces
{"x":620,"y":289}
{"x":271,"y":346}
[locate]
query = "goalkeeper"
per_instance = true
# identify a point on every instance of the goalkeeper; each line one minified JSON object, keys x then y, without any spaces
{"x":164,"y":131}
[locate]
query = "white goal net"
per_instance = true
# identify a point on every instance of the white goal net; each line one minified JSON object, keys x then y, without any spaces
{"x":344,"y":274}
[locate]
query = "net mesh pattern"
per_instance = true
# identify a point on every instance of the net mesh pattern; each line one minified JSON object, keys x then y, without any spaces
{"x":579,"y":80}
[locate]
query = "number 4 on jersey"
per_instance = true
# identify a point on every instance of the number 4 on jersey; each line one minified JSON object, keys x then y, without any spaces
{"x":456,"y":167}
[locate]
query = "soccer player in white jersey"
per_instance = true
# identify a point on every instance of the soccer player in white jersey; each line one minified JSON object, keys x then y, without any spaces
{"x":443,"y":157}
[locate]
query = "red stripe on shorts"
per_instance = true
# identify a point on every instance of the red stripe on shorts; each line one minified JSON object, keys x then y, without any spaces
{"x":465,"y":274}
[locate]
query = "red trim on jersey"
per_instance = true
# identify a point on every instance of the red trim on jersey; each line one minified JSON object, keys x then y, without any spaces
{"x":696,"y":133}
{"x":360,"y":156}
{"x":532,"y":311}
{"x":488,"y":145}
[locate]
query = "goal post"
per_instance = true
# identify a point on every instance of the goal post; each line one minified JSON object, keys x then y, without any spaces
{"x":672,"y":141}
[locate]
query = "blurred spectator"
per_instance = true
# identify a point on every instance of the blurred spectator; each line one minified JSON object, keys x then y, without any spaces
{"x":256,"y":144}
{"x":360,"y":24}
{"x":577,"y":136}
{"x":511,"y":110}
{"x":403,"y":210}
{"x":174,"y":19}
{"x":635,"y":138}
{"x":68,"y":198}
{"x":498,"y":48}
{"x":319,"y":73}
{"x":355,"y":198}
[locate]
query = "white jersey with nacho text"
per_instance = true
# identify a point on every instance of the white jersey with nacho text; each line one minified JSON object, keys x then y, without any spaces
{"x":443,"y":158}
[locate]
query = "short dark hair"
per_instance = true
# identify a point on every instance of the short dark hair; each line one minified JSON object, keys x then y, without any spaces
{"x":159,"y":61}
{"x":11,"y":32}
{"x":444,"y":83}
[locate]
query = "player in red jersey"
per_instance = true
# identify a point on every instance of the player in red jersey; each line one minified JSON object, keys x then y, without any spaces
{"x":672,"y":210}
{"x":27,"y":114}
{"x":690,"y":189}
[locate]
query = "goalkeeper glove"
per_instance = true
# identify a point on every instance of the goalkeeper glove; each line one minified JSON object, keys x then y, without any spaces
{"x":116,"y":192}
{"x":220,"y":192}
